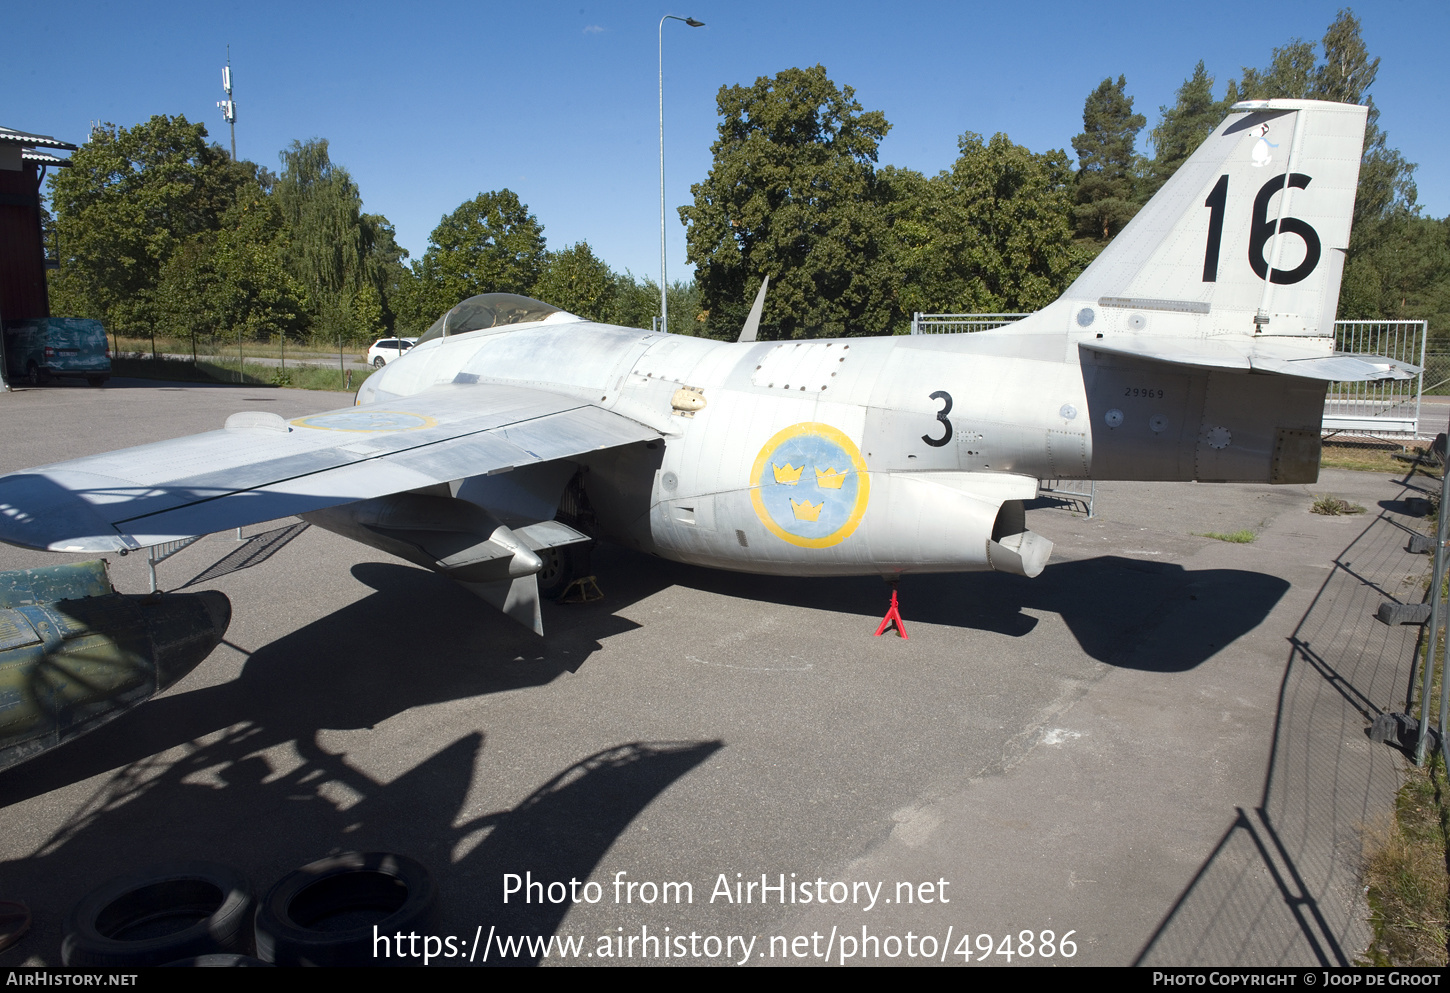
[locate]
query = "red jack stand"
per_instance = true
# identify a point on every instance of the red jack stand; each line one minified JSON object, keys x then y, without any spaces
{"x":893,"y":616}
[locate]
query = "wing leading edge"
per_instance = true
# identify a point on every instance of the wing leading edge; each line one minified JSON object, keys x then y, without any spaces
{"x":260,"y":467}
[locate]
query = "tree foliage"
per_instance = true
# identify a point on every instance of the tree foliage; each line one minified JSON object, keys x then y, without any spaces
{"x":158,"y":229}
{"x":235,"y":281}
{"x":1106,"y":198}
{"x":331,"y":243}
{"x":576,"y":281}
{"x":991,"y":235}
{"x":1184,"y":126}
{"x":161,"y":231}
{"x":793,"y":194}
{"x":130,"y":199}
{"x":490,"y":244}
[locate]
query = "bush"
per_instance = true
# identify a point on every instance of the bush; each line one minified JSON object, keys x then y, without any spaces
{"x":1333,"y":506}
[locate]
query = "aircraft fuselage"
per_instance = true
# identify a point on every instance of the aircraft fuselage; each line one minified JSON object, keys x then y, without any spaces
{"x":821,"y":457}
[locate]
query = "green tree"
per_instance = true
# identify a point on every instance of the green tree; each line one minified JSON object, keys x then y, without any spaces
{"x":330,"y":247}
{"x":991,"y":235}
{"x":130,"y":199}
{"x":234,"y":281}
{"x":576,"y":281}
{"x":792,"y":193}
{"x":490,"y":244}
{"x":1105,"y":195}
{"x":391,"y":275}
{"x":1291,"y":74}
{"x":1184,"y":126}
{"x":637,"y":304}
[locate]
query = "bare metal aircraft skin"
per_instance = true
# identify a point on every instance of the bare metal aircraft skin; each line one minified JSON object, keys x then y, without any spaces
{"x":1198,"y":346}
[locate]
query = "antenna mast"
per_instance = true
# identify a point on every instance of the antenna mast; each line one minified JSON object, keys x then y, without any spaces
{"x":229,"y":106}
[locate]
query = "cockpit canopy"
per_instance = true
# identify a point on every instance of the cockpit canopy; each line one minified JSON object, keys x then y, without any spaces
{"x":488,"y":310}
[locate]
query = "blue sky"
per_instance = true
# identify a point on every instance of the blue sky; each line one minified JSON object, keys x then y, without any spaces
{"x":428,"y":104}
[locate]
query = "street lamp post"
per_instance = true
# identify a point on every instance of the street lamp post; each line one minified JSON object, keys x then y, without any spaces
{"x":664,"y":283}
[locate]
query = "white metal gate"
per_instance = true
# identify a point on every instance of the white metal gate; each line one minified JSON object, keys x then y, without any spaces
{"x":1383,"y":409}
{"x":960,"y":323}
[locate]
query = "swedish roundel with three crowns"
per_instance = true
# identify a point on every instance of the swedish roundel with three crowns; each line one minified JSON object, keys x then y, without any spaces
{"x":809,"y":485}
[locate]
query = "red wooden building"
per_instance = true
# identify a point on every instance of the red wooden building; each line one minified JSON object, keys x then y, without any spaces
{"x":23,"y":163}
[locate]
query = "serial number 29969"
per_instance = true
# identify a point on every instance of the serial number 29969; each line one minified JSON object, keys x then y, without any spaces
{"x":1138,"y":391}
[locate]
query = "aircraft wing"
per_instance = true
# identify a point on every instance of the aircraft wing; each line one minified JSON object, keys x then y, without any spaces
{"x":261,"y":467}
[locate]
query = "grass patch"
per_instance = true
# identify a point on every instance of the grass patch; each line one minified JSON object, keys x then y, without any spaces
{"x":1333,"y":506}
{"x":1369,"y":455}
{"x":1365,"y":456}
{"x":1236,"y":537}
{"x":1407,"y":863}
{"x":1409,"y":889}
{"x":250,"y":374}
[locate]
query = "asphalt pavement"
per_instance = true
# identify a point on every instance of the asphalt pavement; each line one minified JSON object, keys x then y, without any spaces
{"x":1156,"y":749}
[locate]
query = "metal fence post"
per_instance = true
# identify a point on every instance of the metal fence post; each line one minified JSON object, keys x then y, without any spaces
{"x":1432,"y":648}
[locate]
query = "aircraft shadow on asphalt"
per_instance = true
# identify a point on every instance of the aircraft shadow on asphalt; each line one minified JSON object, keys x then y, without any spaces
{"x":183,"y":777}
{"x":353,"y":668}
{"x":375,"y":658}
{"x":1134,"y":614}
{"x":186,"y":779}
{"x":221,"y":802}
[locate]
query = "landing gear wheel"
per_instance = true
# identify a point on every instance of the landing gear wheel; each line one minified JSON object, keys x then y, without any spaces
{"x":168,"y":912}
{"x":325,"y":913}
{"x":561,"y":567}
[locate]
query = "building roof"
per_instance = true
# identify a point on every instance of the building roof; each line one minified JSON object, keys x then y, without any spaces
{"x":26,"y":140}
{"x":42,"y":158}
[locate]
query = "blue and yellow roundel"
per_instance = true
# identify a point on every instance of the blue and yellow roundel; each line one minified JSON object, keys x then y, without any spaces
{"x":366,"y":421}
{"x":809,"y":485}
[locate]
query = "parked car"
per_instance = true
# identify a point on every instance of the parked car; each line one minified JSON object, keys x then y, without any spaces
{"x":385,"y":350}
{"x":39,"y":348}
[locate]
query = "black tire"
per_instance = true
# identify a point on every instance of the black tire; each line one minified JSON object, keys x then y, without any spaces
{"x":173,"y":911}
{"x":33,"y":375}
{"x":324,"y":914}
{"x":378,"y":362}
{"x":220,"y":962}
{"x":96,"y":380}
{"x":14,"y":922}
{"x":561,"y":567}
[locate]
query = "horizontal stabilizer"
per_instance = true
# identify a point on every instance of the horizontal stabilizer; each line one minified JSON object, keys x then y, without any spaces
{"x":1284,"y":356}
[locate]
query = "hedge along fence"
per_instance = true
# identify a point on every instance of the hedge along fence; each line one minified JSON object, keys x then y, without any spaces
{"x":304,"y":377}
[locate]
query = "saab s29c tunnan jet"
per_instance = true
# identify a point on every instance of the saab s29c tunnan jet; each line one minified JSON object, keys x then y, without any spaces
{"x":1198,"y":346}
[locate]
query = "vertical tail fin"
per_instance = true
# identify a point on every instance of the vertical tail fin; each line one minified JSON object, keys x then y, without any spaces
{"x":1247,"y":237}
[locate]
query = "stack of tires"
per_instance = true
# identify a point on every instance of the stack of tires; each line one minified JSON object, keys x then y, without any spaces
{"x":205,"y":914}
